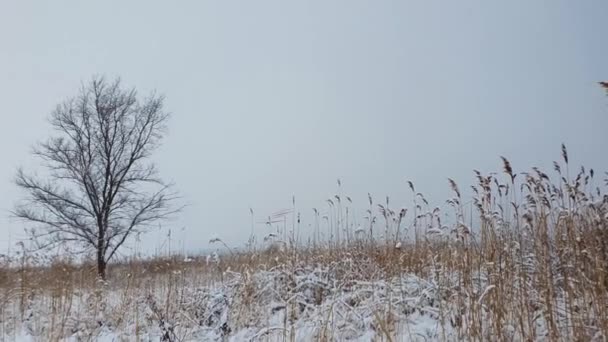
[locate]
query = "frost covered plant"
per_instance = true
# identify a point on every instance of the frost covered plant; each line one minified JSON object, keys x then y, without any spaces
{"x":523,"y":259}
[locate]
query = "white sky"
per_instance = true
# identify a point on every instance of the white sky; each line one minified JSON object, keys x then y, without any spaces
{"x":278,"y":98}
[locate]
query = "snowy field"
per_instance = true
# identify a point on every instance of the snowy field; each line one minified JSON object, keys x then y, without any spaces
{"x":510,"y":266}
{"x":344,"y":300}
{"x":269,"y":305}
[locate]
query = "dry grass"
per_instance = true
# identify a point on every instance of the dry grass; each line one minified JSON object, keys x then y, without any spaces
{"x":530,"y":264}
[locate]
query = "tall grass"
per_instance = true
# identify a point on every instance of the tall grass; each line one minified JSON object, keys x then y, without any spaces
{"x":524,"y":259}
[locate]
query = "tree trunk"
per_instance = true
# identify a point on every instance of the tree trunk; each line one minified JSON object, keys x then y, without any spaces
{"x":101,"y":265}
{"x":101,"y":255}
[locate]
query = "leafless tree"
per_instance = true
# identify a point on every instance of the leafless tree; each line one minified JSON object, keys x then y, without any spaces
{"x":99,"y":186}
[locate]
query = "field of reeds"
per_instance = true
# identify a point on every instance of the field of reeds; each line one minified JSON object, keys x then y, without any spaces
{"x":524,"y":259}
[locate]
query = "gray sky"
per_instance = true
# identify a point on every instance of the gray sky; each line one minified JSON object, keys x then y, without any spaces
{"x":278,"y":98}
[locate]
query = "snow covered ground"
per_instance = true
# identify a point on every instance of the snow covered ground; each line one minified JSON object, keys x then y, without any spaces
{"x":280,"y":304}
{"x":285,"y":303}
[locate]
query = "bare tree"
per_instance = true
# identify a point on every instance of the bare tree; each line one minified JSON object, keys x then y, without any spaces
{"x":100,"y":187}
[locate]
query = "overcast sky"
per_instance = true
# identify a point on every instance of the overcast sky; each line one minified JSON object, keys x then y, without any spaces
{"x":272,"y":99}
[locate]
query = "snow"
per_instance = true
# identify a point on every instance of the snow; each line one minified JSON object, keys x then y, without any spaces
{"x":301,"y":305}
{"x":287,"y":302}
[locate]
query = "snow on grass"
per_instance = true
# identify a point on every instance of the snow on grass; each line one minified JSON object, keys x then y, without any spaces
{"x":298,"y":304}
{"x":338,"y":301}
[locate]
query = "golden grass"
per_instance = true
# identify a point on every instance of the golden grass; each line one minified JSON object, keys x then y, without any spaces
{"x":535,"y":249}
